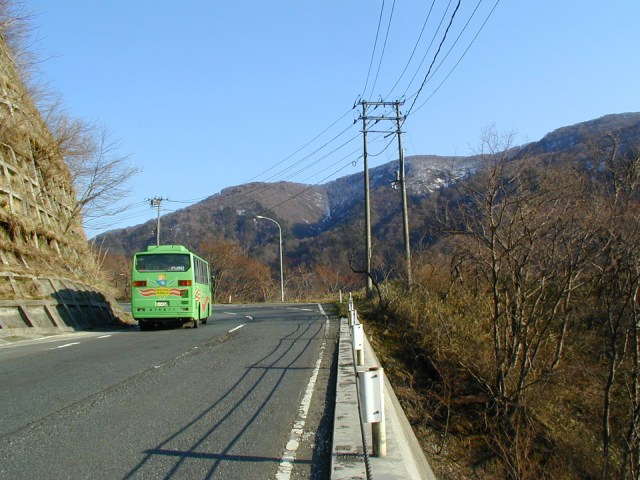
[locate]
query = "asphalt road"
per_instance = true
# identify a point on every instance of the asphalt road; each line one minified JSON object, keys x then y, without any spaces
{"x":247,"y":396}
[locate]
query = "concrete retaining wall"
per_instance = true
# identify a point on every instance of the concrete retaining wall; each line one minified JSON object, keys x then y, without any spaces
{"x":44,"y":303}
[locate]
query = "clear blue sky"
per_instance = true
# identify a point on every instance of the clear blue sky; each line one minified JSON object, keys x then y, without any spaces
{"x":204,"y":95}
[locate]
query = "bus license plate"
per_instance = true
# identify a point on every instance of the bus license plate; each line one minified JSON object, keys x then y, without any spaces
{"x":162,"y":303}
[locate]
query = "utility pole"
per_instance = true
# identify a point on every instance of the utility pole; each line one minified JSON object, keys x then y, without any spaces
{"x":405,"y":208}
{"x":400,"y":180}
{"x":367,"y":203}
{"x":155,"y":203}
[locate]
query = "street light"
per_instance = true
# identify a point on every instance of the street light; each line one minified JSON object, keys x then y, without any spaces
{"x":281,"y":271}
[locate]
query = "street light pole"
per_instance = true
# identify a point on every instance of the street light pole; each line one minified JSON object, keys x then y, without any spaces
{"x":281,"y":270}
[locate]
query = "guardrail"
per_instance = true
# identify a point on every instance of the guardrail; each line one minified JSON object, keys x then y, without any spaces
{"x":372,"y":437}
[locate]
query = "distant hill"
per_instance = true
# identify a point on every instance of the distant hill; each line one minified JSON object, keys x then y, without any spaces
{"x":320,"y":220}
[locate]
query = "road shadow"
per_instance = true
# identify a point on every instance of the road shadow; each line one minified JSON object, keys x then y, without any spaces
{"x":261,"y":380}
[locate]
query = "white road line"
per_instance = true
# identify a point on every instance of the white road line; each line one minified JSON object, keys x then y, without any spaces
{"x":230,"y":313}
{"x":237,"y":328}
{"x":64,"y":346}
{"x":104,"y":336}
{"x":288,"y":458}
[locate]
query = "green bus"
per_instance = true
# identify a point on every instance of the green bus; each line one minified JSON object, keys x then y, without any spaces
{"x":170,"y":285}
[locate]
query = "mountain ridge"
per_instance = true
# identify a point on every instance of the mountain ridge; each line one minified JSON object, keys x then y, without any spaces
{"x":307,"y":211}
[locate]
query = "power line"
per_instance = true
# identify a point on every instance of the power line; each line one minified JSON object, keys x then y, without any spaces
{"x":461,"y":57}
{"x":284,"y":172}
{"x":444,"y":37}
{"x":455,"y":42}
{"x":426,"y":53}
{"x":373,"y":53}
{"x":384,"y":47}
{"x":415,"y":47}
{"x":306,"y":189}
{"x":307,"y":157}
{"x":291,"y":168}
{"x":302,"y":147}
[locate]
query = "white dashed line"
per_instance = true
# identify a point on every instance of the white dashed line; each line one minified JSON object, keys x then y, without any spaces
{"x":65,"y":345}
{"x":237,"y":328}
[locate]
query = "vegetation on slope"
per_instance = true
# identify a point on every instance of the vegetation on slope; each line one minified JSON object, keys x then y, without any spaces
{"x":517,"y":352}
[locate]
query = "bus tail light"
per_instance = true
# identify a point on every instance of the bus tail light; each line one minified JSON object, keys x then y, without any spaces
{"x":140,"y":283}
{"x":184,"y":283}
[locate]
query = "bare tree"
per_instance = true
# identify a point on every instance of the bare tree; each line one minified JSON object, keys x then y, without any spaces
{"x":16,"y":30}
{"x":518,"y":232}
{"x":99,"y":173}
{"x":613,"y":187}
{"x":237,"y":277}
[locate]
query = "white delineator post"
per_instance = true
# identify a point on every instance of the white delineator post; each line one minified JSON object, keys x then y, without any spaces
{"x":371,"y":384}
{"x":357,"y":339}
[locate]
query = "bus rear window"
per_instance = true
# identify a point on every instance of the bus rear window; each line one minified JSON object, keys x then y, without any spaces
{"x":168,"y":262}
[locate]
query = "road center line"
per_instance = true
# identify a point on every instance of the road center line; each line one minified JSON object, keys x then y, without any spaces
{"x":237,"y":328}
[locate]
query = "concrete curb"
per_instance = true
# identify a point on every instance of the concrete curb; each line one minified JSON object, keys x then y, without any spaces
{"x":405,"y":458}
{"x":348,"y":453}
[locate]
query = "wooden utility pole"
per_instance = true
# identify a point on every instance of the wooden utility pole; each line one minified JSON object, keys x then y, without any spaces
{"x":367,"y":204}
{"x":401,"y":180}
{"x":405,"y":208}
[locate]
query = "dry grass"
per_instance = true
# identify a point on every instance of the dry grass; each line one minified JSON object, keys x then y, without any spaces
{"x":437,"y":351}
